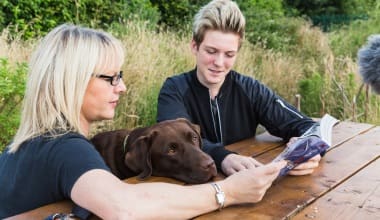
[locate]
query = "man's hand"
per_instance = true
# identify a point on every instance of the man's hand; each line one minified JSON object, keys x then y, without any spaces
{"x":307,"y":167}
{"x":234,"y":163}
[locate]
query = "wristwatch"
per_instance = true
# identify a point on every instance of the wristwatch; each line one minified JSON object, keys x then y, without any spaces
{"x":219,"y":195}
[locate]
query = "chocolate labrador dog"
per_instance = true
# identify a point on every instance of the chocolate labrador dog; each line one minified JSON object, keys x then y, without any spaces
{"x":170,"y":149}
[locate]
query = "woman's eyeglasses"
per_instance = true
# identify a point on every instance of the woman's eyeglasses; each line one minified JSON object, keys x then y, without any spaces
{"x":114,"y":80}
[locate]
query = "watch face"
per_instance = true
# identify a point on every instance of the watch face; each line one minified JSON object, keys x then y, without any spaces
{"x":220,"y":197}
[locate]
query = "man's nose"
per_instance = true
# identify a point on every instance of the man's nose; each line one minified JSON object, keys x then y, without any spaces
{"x":219,"y":59}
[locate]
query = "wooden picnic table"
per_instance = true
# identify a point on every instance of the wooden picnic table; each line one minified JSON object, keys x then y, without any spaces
{"x":346,"y":185}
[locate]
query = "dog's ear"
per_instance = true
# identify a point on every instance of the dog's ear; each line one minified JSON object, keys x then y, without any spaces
{"x":195,"y":127}
{"x":138,"y":156}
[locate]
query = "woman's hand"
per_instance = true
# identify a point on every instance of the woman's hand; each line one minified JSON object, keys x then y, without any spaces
{"x":250,"y":185}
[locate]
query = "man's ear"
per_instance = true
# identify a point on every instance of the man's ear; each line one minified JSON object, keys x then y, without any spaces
{"x":194,"y":47}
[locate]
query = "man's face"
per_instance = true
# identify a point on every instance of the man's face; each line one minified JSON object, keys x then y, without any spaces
{"x":215,"y":57}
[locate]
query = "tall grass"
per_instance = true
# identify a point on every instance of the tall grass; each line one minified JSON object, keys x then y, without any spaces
{"x":327,"y":83}
{"x":16,"y":50}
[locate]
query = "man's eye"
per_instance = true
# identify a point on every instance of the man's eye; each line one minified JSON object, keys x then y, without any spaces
{"x":230,"y":55}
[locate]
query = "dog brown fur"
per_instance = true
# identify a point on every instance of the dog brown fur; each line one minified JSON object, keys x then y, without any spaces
{"x":170,"y":149}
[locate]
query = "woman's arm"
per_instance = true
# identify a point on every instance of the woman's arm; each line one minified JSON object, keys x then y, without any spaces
{"x":109,"y":198}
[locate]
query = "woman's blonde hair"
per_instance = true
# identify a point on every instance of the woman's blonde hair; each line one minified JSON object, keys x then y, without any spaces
{"x":59,"y":72}
{"x":220,"y":15}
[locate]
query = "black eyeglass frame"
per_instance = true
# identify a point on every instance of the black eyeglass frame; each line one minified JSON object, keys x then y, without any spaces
{"x":114,"y":80}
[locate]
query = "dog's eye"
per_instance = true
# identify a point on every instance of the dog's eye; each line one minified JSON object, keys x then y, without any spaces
{"x":172,"y":149}
{"x":194,"y":138}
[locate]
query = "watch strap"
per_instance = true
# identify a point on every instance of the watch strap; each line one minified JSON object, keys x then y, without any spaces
{"x":219,"y":195}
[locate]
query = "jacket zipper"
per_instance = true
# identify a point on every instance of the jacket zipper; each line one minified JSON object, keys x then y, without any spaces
{"x":287,"y":108}
{"x":213,"y":119}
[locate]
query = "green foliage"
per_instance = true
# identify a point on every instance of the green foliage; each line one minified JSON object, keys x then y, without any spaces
{"x":148,"y":106}
{"x":312,"y":7}
{"x":267,"y":24}
{"x":35,"y":18}
{"x":12,"y":84}
{"x":347,"y":40}
{"x":327,"y":13}
{"x":177,"y":14}
{"x":310,"y":90}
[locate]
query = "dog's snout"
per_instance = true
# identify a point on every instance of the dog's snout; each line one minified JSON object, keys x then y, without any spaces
{"x":208,"y":164}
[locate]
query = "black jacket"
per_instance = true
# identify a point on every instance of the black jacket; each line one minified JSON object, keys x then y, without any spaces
{"x":242,"y":104}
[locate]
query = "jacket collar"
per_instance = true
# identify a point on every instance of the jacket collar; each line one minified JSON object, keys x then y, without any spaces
{"x":226,"y":83}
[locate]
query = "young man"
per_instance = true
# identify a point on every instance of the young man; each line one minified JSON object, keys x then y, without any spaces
{"x":227,"y":105}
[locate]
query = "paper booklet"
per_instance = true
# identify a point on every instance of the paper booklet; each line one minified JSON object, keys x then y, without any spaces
{"x":316,"y":140}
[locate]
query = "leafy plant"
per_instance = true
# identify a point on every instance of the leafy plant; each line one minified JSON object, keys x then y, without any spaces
{"x":12,"y":84}
{"x":35,"y":18}
{"x":310,"y":90}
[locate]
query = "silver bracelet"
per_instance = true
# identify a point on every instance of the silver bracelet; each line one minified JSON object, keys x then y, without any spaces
{"x":219,"y":195}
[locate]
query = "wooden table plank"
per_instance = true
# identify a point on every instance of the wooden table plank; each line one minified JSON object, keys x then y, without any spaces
{"x":265,"y":142}
{"x":256,"y":145}
{"x":344,"y":131}
{"x":291,"y":194}
{"x":153,"y":179}
{"x":357,"y":198}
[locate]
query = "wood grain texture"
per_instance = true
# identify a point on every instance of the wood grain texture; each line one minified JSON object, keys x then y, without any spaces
{"x":291,"y":194}
{"x":356,"y":198}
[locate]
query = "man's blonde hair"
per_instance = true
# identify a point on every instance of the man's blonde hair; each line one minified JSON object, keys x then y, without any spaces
{"x":220,"y":15}
{"x":59,"y":72}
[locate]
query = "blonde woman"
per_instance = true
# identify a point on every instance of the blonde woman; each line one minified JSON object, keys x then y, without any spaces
{"x":74,"y":80}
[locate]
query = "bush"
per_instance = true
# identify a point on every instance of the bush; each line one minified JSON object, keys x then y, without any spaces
{"x":347,"y":40}
{"x":264,"y":23}
{"x":310,"y":90}
{"x":12,"y":84}
{"x":35,"y":18}
{"x":177,"y":15}
{"x":331,"y":13}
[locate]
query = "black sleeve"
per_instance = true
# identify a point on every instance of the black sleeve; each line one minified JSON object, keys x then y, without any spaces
{"x":278,"y":116}
{"x":216,"y":151}
{"x":170,"y":103}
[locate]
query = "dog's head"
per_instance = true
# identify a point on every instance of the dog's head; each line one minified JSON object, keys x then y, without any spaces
{"x":171,"y":149}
